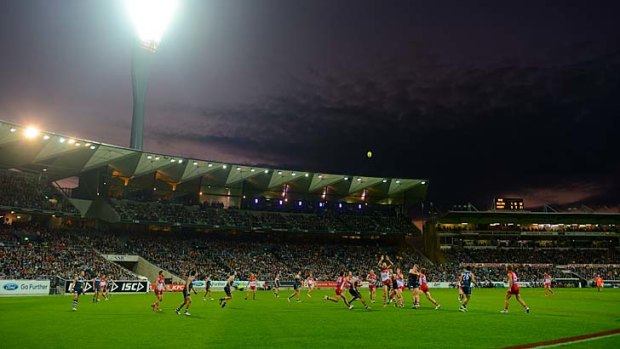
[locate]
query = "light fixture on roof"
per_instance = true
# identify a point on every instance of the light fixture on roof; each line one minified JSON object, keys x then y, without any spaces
{"x":30,"y":132}
{"x":423,"y":182}
{"x":210,"y":165}
{"x":13,"y":129}
{"x":180,"y":161}
{"x":346,"y":178}
{"x":157,"y":158}
{"x":46,"y":137}
{"x":293,"y":174}
{"x":397,"y":181}
{"x":44,"y":170}
{"x":320,"y":176}
{"x":149,"y":157}
{"x":307,"y":175}
{"x":71,"y":141}
{"x":173,"y":160}
{"x":359,"y":179}
{"x":61,"y":140}
{"x":384,"y":180}
{"x":195,"y":163}
{"x":77,"y":144}
{"x":238,"y":168}
{"x":280,"y":172}
{"x":87,"y":145}
{"x":224,"y":167}
{"x":252,"y":170}
{"x":92,"y":147}
{"x":266,"y":171}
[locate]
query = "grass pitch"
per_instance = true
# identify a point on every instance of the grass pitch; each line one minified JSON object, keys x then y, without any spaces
{"x":128,"y":321}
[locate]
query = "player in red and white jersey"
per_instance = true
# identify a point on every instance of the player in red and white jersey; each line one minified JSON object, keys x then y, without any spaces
{"x":160,"y":286}
{"x":424,"y":288}
{"x":513,"y":289}
{"x":547,"y":281}
{"x":310,"y":284}
{"x":340,"y":283}
{"x":386,"y":265}
{"x":372,"y":285}
{"x":398,"y":283}
{"x":103,"y":285}
{"x":251,"y":287}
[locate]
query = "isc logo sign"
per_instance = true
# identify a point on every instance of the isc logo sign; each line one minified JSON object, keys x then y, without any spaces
{"x":132,"y":287}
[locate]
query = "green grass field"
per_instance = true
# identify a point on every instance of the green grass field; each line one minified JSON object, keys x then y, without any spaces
{"x":128,"y":321}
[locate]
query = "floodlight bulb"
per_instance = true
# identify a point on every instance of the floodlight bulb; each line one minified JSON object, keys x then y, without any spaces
{"x":31,"y":132}
{"x":150,"y":18}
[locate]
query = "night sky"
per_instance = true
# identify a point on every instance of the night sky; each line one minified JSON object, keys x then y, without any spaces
{"x":484,"y":98}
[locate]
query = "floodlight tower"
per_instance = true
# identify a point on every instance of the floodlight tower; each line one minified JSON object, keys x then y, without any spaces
{"x":150,"y":18}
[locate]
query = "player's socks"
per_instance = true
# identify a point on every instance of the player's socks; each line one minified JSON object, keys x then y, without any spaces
{"x":527,"y":310}
{"x":437,"y":306}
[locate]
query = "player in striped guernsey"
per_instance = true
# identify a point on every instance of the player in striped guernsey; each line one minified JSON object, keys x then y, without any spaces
{"x":77,"y":287}
{"x":424,"y":288}
{"x":276,"y":286}
{"x":386,"y":265}
{"x":251,"y":287}
{"x":160,"y":287}
{"x":547,"y":282}
{"x":310,"y":284}
{"x":340,"y":283}
{"x":372,"y":285}
{"x":513,"y":289}
{"x":413,"y":283}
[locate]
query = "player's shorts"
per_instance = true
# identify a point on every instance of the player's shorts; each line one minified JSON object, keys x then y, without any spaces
{"x":513,"y":290}
{"x":466,"y":290}
{"x":338,"y":292}
{"x":252,"y":288}
{"x":424,"y":288}
{"x":401,"y":287}
{"x":185,"y":293}
{"x":158,"y":292}
{"x":277,"y":284}
{"x":102,"y":288}
{"x":413,"y":286}
{"x":387,"y":282}
{"x":97,"y":286}
{"x":372,"y":286}
{"x":295,"y":286}
{"x":78,"y":291}
{"x":354,"y":292}
{"x":227,"y":290}
{"x":310,"y":285}
{"x":547,"y":285}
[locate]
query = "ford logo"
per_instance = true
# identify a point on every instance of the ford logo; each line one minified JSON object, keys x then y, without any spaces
{"x":11,"y":287}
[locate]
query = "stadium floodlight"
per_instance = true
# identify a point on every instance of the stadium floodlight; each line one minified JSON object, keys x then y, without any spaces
{"x":30,"y":132}
{"x":150,"y":19}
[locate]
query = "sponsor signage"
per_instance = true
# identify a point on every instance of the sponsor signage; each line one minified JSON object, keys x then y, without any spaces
{"x":121,"y":258}
{"x":124,"y":286}
{"x":24,"y":287}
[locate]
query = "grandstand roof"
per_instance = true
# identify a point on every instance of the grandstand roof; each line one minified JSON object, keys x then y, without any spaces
{"x":60,"y":157}
{"x":527,"y":217}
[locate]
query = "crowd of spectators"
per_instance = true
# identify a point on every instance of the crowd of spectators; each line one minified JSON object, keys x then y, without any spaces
{"x":28,"y":191}
{"x":215,"y":217}
{"x":28,"y":251}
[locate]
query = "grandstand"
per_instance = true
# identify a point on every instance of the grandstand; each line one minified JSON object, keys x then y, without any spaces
{"x":79,"y":204}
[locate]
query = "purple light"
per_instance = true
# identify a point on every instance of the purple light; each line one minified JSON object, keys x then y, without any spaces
{"x":299,"y":203}
{"x":256,"y":201}
{"x":340,"y":205}
{"x":359,"y":206}
{"x":280,"y":202}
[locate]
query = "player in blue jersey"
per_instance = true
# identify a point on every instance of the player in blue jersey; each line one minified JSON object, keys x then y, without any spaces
{"x":208,"y":289}
{"x":466,"y":279}
{"x":187,"y":298}
{"x":228,"y":289}
{"x":296,"y":287}
{"x":96,"y":288}
{"x":77,"y":287}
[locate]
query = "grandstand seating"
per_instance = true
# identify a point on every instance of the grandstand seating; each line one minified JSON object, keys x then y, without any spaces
{"x":28,"y":191}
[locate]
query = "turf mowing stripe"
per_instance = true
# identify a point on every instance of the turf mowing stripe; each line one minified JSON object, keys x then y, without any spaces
{"x":568,"y":340}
